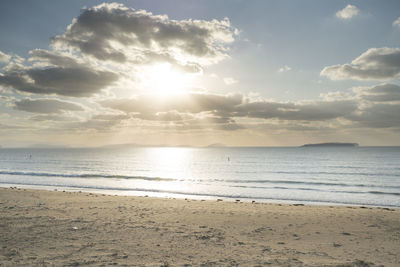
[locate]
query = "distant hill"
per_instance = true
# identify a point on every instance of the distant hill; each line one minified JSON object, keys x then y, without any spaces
{"x":334,"y":144}
{"x":217,"y":145}
{"x":128,"y":145}
{"x":47,"y":146}
{"x":133,"y":145}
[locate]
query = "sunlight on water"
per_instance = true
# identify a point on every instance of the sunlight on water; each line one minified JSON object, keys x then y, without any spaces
{"x":171,"y":160}
{"x":170,"y":163}
{"x":363,"y":176}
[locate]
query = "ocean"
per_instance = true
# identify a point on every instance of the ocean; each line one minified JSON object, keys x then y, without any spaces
{"x":310,"y":175}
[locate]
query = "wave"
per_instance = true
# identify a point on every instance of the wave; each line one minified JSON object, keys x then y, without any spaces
{"x":302,"y":183}
{"x":322,"y":173}
{"x":320,"y":190}
{"x":85,"y":175}
{"x":194,"y":194}
{"x":224,"y":182}
{"x":243,"y":182}
{"x":384,"y":193}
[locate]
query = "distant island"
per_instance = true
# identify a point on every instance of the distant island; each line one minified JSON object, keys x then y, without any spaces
{"x":335,"y":144}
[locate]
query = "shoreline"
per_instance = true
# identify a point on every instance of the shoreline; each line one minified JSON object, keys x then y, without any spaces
{"x":168,"y":195}
{"x":71,"y":228}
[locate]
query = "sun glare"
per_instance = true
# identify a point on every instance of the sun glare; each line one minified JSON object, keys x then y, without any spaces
{"x":163,"y":79}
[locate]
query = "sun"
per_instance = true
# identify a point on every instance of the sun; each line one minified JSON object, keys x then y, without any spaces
{"x":163,"y":79}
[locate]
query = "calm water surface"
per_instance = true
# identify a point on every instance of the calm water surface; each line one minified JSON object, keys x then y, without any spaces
{"x":357,"y":176}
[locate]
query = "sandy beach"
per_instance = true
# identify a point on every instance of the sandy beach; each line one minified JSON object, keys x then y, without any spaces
{"x":72,"y":228}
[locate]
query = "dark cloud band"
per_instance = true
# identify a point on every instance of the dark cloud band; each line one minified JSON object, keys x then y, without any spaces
{"x":46,"y":106}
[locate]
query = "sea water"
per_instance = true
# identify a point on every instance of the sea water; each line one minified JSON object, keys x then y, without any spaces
{"x":322,"y":175}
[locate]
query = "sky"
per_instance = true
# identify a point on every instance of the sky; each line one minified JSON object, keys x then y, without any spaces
{"x":188,"y":72}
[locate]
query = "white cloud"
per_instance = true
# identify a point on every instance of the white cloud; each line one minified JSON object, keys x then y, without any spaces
{"x":230,"y":80}
{"x":110,"y":43}
{"x":285,"y":69}
{"x":4,"y":57}
{"x":374,"y":64}
{"x":117,"y":33}
{"x":396,"y":23}
{"x":348,"y":12}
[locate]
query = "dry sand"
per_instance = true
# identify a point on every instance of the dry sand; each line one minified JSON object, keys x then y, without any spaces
{"x":67,"y":228}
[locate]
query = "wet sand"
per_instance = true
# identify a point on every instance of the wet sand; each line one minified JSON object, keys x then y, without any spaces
{"x":71,"y":228}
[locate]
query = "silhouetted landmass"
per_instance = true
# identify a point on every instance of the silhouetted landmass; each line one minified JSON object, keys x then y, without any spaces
{"x":133,"y":145}
{"x":335,"y":144}
{"x":47,"y":146}
{"x":128,"y":145}
{"x":217,"y":145}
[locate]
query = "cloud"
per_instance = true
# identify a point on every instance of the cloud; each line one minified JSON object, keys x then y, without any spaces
{"x":4,"y":57}
{"x":186,"y":112}
{"x":12,"y":128}
{"x":233,"y":106}
{"x":377,"y":106}
{"x":117,"y":33}
{"x":307,"y":111}
{"x":87,"y":58}
{"x":374,"y":64}
{"x":55,"y":118}
{"x":100,"y":122}
{"x":46,"y":57}
{"x":192,"y":103}
{"x":377,"y":116}
{"x":108,"y":117}
{"x":348,"y":12}
{"x":109,"y":49}
{"x":46,"y":106}
{"x":367,"y":107}
{"x":285,"y":69}
{"x":210,"y":123}
{"x":374,"y":107}
{"x":172,"y":115}
{"x":379,"y":93}
{"x":149,"y":58}
{"x":75,"y":80}
{"x":230,"y":80}
{"x":396,"y":23}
